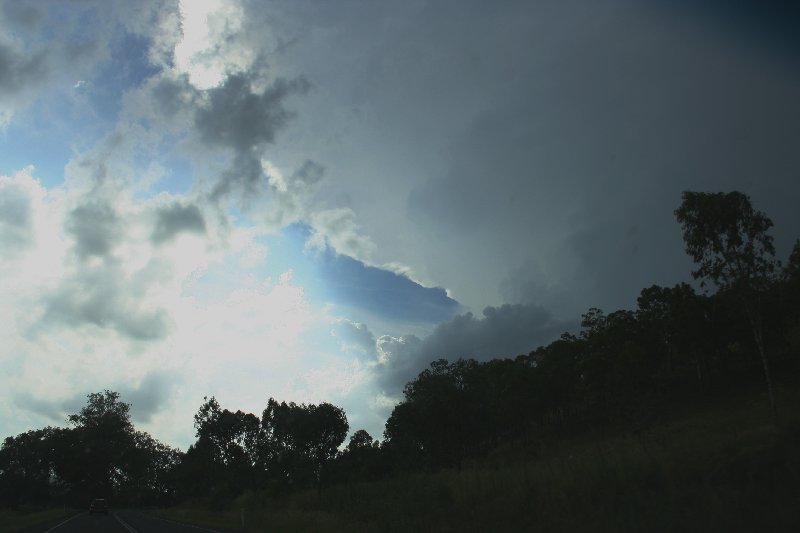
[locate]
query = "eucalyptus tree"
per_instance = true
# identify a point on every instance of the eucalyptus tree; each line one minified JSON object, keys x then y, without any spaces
{"x":298,"y":440}
{"x":226,"y":451}
{"x":731,"y":245}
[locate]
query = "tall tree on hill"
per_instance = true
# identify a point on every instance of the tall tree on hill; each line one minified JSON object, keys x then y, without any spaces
{"x":105,"y":434}
{"x":730,"y":243}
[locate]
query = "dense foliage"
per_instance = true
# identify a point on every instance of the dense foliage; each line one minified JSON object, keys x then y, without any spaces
{"x":625,"y":370}
{"x":101,"y":454}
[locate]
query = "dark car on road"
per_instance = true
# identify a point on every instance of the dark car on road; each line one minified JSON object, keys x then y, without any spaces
{"x":98,"y":505}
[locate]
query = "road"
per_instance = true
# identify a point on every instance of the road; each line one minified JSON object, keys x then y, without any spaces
{"x":119,"y":522}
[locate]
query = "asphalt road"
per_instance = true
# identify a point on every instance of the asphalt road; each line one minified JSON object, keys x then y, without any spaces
{"x":119,"y":522}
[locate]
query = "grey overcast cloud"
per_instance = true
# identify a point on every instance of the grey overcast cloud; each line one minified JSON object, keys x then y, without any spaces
{"x":313,"y":200}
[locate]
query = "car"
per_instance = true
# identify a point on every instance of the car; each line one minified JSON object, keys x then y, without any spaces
{"x":98,"y":505}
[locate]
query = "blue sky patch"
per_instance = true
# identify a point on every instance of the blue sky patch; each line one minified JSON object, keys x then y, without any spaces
{"x":328,"y":277}
{"x":386,"y":294}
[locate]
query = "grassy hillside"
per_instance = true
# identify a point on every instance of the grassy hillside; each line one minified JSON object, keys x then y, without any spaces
{"x":13,"y":521}
{"x":727,"y":468}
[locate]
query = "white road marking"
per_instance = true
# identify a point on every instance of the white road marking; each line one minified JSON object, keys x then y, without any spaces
{"x":62,"y":523}
{"x":126,"y":526}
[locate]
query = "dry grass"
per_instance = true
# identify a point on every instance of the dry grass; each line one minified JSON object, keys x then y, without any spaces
{"x":13,"y":521}
{"x":726,"y":469}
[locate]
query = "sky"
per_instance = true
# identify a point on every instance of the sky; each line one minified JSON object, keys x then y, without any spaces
{"x":312,"y":200}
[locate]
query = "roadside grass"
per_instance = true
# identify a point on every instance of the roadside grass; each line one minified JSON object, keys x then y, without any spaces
{"x":273,"y":517}
{"x":728,"y":468}
{"x":13,"y":521}
{"x":223,"y":519}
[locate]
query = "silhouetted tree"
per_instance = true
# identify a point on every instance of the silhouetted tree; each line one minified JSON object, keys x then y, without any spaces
{"x":150,"y":472}
{"x":559,"y":377}
{"x":675,"y":322}
{"x":363,"y":459}
{"x":105,"y":435}
{"x":789,"y":289}
{"x":227,"y":444}
{"x":792,"y":269}
{"x":359,"y":440}
{"x":730,"y":243}
{"x":100,"y":455}
{"x":29,"y":468}
{"x":299,"y":439}
{"x":444,"y":417}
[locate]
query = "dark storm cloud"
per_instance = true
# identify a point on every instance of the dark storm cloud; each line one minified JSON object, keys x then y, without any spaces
{"x":236,"y":117}
{"x":103,"y":296}
{"x":530,"y":284}
{"x":582,"y":161}
{"x":96,"y":227}
{"x":22,"y":14}
{"x":19,"y":71}
{"x":232,"y":118}
{"x":169,"y":96}
{"x":177,"y":218}
{"x":309,"y":173}
{"x":16,"y":218}
{"x":167,"y":100}
{"x":243,"y":176}
{"x":504,"y":331}
{"x":772,"y":23}
{"x":241,"y":119}
{"x":150,"y":395}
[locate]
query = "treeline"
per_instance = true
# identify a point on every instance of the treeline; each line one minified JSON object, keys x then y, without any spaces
{"x":624,"y":370}
{"x":101,"y":454}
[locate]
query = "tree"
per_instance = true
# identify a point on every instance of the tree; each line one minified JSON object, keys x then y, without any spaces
{"x":362,"y":460}
{"x":444,"y":417}
{"x":226,"y":451}
{"x":361,"y":439}
{"x":328,"y":429}
{"x":730,"y":243}
{"x":234,"y":435}
{"x":104,"y":410}
{"x":299,"y":439}
{"x":150,"y":470}
{"x":792,"y":269}
{"x":28,"y":468}
{"x":790,"y":298}
{"x":105,"y":435}
{"x":674,"y":318}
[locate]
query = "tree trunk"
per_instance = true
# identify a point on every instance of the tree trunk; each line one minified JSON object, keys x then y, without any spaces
{"x":754,"y":316}
{"x":699,"y":363}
